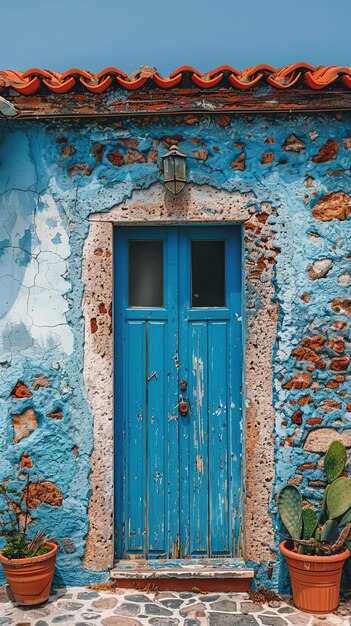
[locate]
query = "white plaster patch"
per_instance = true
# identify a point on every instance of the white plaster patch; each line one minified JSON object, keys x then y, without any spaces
{"x":36,"y":320}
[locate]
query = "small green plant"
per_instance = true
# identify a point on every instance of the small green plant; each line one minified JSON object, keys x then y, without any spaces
{"x":15,"y":520}
{"x":326,"y":532}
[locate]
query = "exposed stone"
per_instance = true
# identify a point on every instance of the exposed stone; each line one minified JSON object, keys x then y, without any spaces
{"x":90,"y":615}
{"x":336,"y":344}
{"x":134,"y":156}
{"x":172,"y":603}
{"x":154,"y":609}
{"x":70,"y":606}
{"x":299,"y":381}
{"x":347,"y":143}
{"x":296,"y":480}
{"x":40,"y":381}
{"x":318,"y":440}
{"x":239,"y":162}
{"x":164,"y":621}
{"x":286,"y":610}
{"x":98,"y":151}
{"x":67,"y":151}
{"x":200,"y":154}
{"x":315,"y":343}
{"x":225,"y":619}
{"x":62,"y":619}
{"x":130,"y":609}
{"x":329,"y":405}
{"x":318,"y":484}
{"x":299,"y":619}
{"x":224,"y":605}
{"x":87,"y":595}
{"x":68,"y":545}
{"x":105,"y":603}
{"x":44,"y":492}
{"x":304,"y":400}
{"x":341,"y":305}
{"x":79,"y":168}
{"x":115,"y":157}
{"x":344,"y":279}
{"x":20,"y":390}
{"x":113,"y":620}
{"x":57,"y":415}
{"x":198,"y":608}
{"x":340,"y":363}
{"x":267,"y":157}
{"x":336,"y":205}
{"x":129,"y":142}
{"x":250,"y":607}
{"x":328,"y":152}
{"x":296,"y":418}
{"x":294,"y":144}
{"x":272,"y":621}
{"x":24,"y":424}
{"x":152,"y":156}
{"x":306,"y":354}
{"x":171,"y":139}
{"x":212,"y":597}
{"x":26,"y":461}
{"x":137,"y":597}
{"x":319,"y":269}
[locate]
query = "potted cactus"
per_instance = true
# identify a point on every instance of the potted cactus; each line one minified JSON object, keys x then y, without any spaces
{"x":317,"y":547}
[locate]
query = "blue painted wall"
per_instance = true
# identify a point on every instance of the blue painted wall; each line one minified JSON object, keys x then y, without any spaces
{"x":53,"y":176}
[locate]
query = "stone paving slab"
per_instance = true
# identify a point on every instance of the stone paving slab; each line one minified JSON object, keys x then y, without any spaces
{"x":77,"y":606}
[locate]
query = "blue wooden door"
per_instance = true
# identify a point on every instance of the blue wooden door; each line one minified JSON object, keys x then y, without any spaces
{"x":178,"y":370}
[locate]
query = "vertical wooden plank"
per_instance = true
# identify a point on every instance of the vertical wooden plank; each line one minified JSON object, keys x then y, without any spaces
{"x":218,"y":387}
{"x":135,"y":374}
{"x":172,"y":375}
{"x":156,"y":440}
{"x":198,"y":458}
{"x":184,"y":373}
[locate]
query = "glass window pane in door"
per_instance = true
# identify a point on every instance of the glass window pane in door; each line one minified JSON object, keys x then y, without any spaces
{"x":207,"y":273}
{"x":146,"y":274}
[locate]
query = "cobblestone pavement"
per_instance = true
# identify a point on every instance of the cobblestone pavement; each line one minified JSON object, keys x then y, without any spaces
{"x":77,"y":606}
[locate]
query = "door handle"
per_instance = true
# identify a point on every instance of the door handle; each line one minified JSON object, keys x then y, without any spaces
{"x":183,"y":405}
{"x":183,"y":408}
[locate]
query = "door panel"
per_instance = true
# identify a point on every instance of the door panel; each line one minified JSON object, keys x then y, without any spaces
{"x":177,"y":318}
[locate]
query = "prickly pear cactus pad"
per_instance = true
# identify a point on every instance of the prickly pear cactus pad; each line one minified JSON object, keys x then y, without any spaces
{"x":310,"y":521}
{"x":334,"y":460}
{"x":339,"y":497}
{"x":290,"y":509}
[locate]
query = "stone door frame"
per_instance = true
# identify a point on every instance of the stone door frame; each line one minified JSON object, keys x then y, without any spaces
{"x":155,"y":206}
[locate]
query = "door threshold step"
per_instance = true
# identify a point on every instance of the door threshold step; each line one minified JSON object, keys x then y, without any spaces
{"x":184,"y":574}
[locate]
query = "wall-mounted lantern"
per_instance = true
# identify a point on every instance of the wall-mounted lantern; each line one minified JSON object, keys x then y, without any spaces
{"x":174,"y":170}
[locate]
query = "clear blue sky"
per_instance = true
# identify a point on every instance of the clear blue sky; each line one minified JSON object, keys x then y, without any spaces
{"x":94,"y":34}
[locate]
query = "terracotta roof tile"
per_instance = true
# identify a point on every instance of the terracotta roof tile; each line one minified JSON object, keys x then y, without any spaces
{"x":299,"y":74}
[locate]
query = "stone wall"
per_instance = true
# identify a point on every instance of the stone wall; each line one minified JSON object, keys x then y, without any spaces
{"x":295,"y":174}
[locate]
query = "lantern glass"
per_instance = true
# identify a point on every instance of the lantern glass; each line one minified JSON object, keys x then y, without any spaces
{"x":174,"y":170}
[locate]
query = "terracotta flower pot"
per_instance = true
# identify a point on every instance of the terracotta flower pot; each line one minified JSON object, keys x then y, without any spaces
{"x":30,"y":579}
{"x":315,"y":580}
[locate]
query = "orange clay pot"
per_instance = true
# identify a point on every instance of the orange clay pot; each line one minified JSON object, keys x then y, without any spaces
{"x":30,"y":579}
{"x":315,"y":580}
